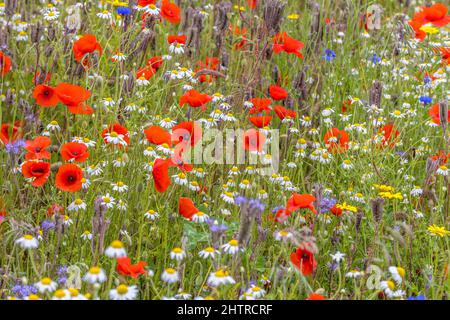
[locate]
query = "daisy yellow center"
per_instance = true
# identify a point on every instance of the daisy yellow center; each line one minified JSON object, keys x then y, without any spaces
{"x":54,"y":123}
{"x":152,"y":6}
{"x":200,"y":214}
{"x":256,"y":289}
{"x":106,"y":200}
{"x":120,"y":184}
{"x":59,"y":293}
{"x":28,"y":237}
{"x":391,"y":285}
{"x":94,"y":270}
{"x":73,"y":292}
{"x":78,"y":201}
{"x":283,"y":233}
{"x":210,"y":250}
{"x":116,"y":244}
{"x":170,"y":270}
{"x":33,"y":297}
{"x":401,"y":272}
{"x":177,"y":250}
{"x":233,"y":243}
{"x":46,"y":281}
{"x":122,"y":289}
{"x":221,"y":274}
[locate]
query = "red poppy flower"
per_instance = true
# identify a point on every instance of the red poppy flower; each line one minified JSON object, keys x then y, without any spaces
{"x":419,"y":34}
{"x":37,"y":148}
{"x":69,"y":178}
{"x":260,"y":105}
{"x":10,"y":133}
{"x":145,"y":72}
{"x":445,"y":54}
{"x":442,"y":157}
{"x":155,"y":62}
{"x":282,"y":42}
{"x":277,"y":93}
{"x":253,"y":140}
{"x":261,"y":121}
{"x":210,"y":63}
{"x":187,"y":131}
{"x":144,"y":3}
{"x":160,"y":174}
{"x":316,"y":296}
{"x":170,"y":12}
{"x":434,"y":113}
{"x":85,"y":45}
{"x":45,"y":96}
{"x":336,"y":140}
{"x":178,"y":39}
{"x":73,"y":97}
{"x":38,"y":170}
{"x":390,"y":135}
{"x":336,"y":211}
{"x":5,"y":64}
{"x":304,"y":261}
{"x":195,"y":99}
{"x":157,"y":135}
{"x":74,"y":151}
{"x":282,"y":112}
{"x":300,"y":201}
{"x":241,"y":33}
{"x":3,"y":215}
{"x":115,"y":130}
{"x":125,"y":268}
{"x":435,"y":14}
{"x":346,"y":105}
{"x":186,"y":208}
{"x":252,"y":3}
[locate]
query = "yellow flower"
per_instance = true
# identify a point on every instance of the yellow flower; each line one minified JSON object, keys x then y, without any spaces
{"x":346,"y":207}
{"x":438,"y":231}
{"x":293,"y":16}
{"x":384,"y":188}
{"x":390,"y":195}
{"x":429,"y":29}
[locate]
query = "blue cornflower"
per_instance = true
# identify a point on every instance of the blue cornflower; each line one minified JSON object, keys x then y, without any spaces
{"x":375,"y":59}
{"x":329,"y":55}
{"x":419,"y":297}
{"x":425,"y":99}
{"x":123,"y":10}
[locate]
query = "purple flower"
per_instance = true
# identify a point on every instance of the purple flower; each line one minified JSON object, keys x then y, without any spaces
{"x":327,"y":203}
{"x":22,"y":291}
{"x":215,"y":226}
{"x":15,"y":147}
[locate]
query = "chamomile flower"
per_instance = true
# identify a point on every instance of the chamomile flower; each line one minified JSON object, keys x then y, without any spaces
{"x":282,"y":235}
{"x":53,"y":126}
{"x":124,"y":292}
{"x":77,"y":205}
{"x":177,"y":254}
{"x":119,"y":186}
{"x":86,"y":235}
{"x":220,"y":277}
{"x":256,"y":292}
{"x":397,"y":273}
{"x":108,"y":201}
{"x":180,"y":179}
{"x":208,"y":252}
{"x":200,"y":217}
{"x":443,"y":171}
{"x":105,"y":15}
{"x":46,"y":285}
{"x":170,"y":275}
{"x":232,"y":247}
{"x":151,"y":214}
{"x":28,"y":242}
{"x":227,"y":196}
{"x":95,"y":275}
{"x":347,"y":164}
{"x":167,"y":123}
{"x":116,"y":250}
{"x":150,"y":152}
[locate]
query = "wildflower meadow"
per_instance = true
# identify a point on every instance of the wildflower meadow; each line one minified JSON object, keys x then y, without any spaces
{"x":224,"y":150}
